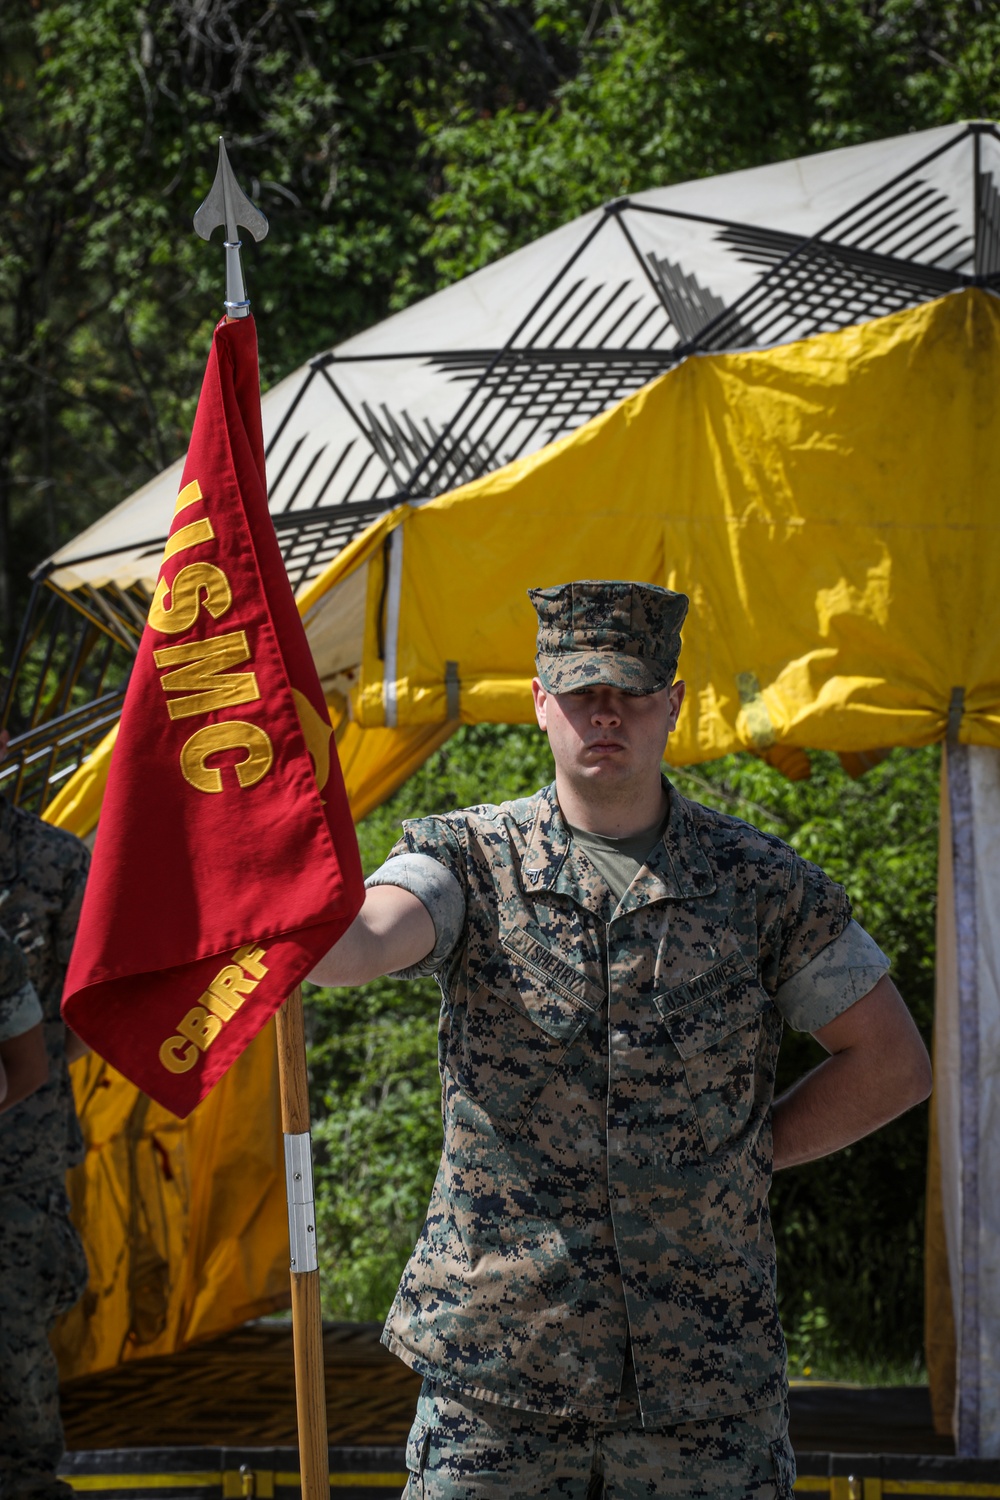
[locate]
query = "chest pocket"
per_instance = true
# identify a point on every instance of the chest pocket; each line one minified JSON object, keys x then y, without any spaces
{"x":526,"y":1008}
{"x":714,"y":1021}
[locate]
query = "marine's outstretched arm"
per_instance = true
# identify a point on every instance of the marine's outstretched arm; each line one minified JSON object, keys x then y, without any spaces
{"x":392,"y":931}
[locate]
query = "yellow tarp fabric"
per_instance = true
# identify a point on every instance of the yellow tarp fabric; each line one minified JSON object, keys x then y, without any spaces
{"x":184,"y":1221}
{"x":830,"y":506}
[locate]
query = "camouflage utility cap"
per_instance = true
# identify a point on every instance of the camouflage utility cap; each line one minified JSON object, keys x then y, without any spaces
{"x":626,"y":635}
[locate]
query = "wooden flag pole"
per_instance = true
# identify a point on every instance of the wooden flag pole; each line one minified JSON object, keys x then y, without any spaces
{"x":228,"y":206}
{"x":307,"y":1321}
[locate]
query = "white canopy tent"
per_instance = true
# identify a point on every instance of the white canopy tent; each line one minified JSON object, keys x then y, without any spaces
{"x":529,"y":348}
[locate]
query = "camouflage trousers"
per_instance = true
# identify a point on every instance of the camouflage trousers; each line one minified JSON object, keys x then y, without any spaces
{"x":461,"y":1449}
{"x":43,"y":1270}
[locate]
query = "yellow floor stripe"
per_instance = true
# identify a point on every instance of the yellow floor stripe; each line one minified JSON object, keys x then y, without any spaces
{"x":349,"y":1481}
{"x":369,"y":1481}
{"x":805,"y":1484}
{"x":817,"y":1484}
{"x":940,"y":1487}
{"x":86,"y":1482}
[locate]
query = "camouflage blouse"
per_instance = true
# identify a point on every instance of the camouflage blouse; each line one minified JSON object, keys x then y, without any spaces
{"x":19,"y":1007}
{"x":607,"y":1075}
{"x":42,"y":876}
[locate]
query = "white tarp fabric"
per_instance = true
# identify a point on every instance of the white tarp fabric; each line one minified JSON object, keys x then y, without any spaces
{"x":967,"y":1081}
{"x":615,"y":290}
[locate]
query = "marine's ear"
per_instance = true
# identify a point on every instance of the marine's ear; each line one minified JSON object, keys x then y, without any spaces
{"x":676,"y":693}
{"x":540,"y":697}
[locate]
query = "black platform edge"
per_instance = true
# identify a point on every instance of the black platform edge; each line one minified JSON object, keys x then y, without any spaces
{"x":241,"y":1473}
{"x":373,"y":1473}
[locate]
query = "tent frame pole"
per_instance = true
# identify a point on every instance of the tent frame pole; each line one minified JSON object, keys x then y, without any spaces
{"x":307,"y":1321}
{"x":967,"y":1329}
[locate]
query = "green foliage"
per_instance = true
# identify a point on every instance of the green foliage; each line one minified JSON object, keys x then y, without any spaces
{"x":667,"y":90}
{"x":376,"y":1100}
{"x":849,"y":1229}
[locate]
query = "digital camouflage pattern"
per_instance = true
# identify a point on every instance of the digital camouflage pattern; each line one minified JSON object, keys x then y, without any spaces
{"x":607,"y":1077}
{"x":43,"y":1269}
{"x":42,"y":875}
{"x":13,"y":969}
{"x":461,"y":1449}
{"x":19,"y":1007}
{"x":627,"y":635}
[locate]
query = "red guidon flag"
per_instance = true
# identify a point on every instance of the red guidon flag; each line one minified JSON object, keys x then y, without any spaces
{"x":226,"y":862}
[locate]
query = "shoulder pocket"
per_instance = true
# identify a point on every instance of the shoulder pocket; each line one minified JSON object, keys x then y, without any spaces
{"x":556,"y":996}
{"x":704,"y":1010}
{"x":714,"y":1021}
{"x":526,"y":1007}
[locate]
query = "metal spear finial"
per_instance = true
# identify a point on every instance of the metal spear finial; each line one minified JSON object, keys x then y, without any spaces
{"x":227,"y":204}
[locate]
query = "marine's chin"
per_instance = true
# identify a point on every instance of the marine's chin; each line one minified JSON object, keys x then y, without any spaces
{"x":604,"y":771}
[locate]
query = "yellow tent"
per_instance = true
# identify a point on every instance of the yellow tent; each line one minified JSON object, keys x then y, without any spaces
{"x":831,"y":508}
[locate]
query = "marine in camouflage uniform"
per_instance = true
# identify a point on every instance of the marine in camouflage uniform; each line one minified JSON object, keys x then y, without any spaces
{"x":592,"y":1298}
{"x":43,"y":1269}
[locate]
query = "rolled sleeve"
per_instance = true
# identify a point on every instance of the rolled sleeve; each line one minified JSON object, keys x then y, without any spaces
{"x":841,"y":973}
{"x":439,"y":891}
{"x":19,"y":1012}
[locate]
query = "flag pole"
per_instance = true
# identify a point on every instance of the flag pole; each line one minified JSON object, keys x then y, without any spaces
{"x":307,"y":1321}
{"x":227,"y":205}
